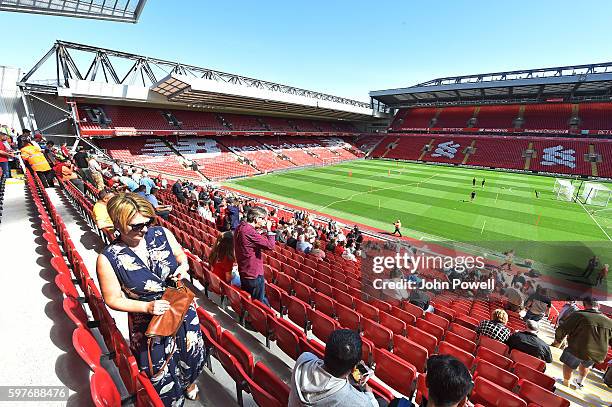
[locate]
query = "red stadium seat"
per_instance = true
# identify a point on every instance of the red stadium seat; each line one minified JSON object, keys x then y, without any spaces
{"x":324,"y":304}
{"x":312,"y":346}
{"x":74,"y":310}
{"x":395,"y":372}
{"x":494,"y":358}
{"x":239,"y":351}
{"x":273,"y":293}
{"x":343,"y":298}
{"x":147,"y":396}
{"x":260,"y":317}
{"x":380,"y":336}
{"x":467,"y":322}
{"x":430,"y":328}
{"x":410,"y":352}
{"x":322,"y":325}
{"x":437,"y":320}
{"x":461,"y":330}
{"x":489,"y":394}
{"x":104,"y":393}
{"x":460,"y":342}
{"x":525,"y":372}
{"x":366,"y":310}
{"x":348,"y":318}
{"x":405,"y":316}
{"x":495,"y":374}
{"x":494,"y":345}
{"x":234,"y":369}
{"x":66,"y":286}
{"x":423,"y":338}
{"x":303,"y":292}
{"x":528,"y":360}
{"x":267,"y":389}
{"x":87,"y":347}
{"x":236,"y":298}
{"x":287,"y":337}
{"x":297,"y":311}
{"x":413,"y":309}
{"x":534,"y":394}
{"x":446,"y":348}
{"x":396,"y":325}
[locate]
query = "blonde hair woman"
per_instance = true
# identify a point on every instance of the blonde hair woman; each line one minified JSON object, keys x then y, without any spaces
{"x":496,"y":327}
{"x":134,"y":271}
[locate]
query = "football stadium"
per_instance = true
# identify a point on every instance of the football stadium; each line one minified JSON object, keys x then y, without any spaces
{"x":187,"y":236}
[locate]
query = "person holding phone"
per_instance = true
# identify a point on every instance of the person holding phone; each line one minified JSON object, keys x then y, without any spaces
{"x":340,"y":379}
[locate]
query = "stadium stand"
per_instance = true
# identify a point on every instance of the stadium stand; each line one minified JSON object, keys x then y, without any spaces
{"x":496,"y":116}
{"x":547,"y":116}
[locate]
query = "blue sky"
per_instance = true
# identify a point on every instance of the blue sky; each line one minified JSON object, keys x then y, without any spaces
{"x":341,"y":47}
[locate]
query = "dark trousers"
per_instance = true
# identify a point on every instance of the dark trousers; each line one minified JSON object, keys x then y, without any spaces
{"x":46,"y":177}
{"x":256,"y":287}
{"x":397,"y":231}
{"x":6,"y":169}
{"x":534,"y":317}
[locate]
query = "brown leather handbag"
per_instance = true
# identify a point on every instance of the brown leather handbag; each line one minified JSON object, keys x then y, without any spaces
{"x":167,"y":324}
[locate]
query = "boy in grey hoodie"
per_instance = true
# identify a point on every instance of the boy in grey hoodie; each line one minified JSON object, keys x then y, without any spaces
{"x":324,"y":383}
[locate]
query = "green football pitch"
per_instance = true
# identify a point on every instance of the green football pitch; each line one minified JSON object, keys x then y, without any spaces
{"x":433,"y":203}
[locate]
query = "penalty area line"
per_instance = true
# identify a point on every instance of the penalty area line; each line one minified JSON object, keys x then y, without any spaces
{"x":595,"y":220}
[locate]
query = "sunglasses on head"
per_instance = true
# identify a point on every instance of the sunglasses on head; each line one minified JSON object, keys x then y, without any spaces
{"x":137,"y":227}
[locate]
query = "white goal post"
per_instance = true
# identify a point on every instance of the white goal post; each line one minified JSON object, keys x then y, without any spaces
{"x":563,"y":190}
{"x":597,"y":194}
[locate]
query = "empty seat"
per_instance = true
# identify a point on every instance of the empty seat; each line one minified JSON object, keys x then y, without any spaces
{"x":461,"y":330}
{"x":103,"y":390}
{"x":267,"y":389}
{"x":297,"y":311}
{"x":489,"y":394}
{"x":525,"y":372}
{"x":528,"y":360}
{"x":260,"y":317}
{"x":496,"y":374}
{"x":348,"y":318}
{"x":366,"y":310}
{"x":437,"y":320}
{"x":396,"y":325}
{"x":410,"y":352}
{"x":494,"y":345}
{"x":287,"y":337}
{"x":446,"y":348}
{"x":87,"y":347}
{"x":532,"y":393}
{"x":380,"y":336}
{"x":423,"y":338}
{"x":493,"y":357}
{"x":395,"y":372}
{"x":324,"y":304}
{"x":322,"y":325}
{"x":430,"y":328}
{"x":460,"y":342}
{"x":413,"y":309}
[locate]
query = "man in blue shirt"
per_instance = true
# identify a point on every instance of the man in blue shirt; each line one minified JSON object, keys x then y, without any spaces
{"x":126,"y":180}
{"x":161,"y":210}
{"x":147,"y":182}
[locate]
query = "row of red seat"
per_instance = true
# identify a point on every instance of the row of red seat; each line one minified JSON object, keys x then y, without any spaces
{"x":152,"y":119}
{"x":556,"y":155}
{"x":542,"y":116}
{"x":71,"y":269}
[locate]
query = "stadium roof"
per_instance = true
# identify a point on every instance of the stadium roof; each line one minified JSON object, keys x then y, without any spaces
{"x":127,"y":11}
{"x":567,"y":83}
{"x":130,"y":77}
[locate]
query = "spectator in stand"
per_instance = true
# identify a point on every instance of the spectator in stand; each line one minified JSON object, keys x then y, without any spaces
{"x":449,"y":384}
{"x":134,"y":271}
{"x":347,"y":254}
{"x":177,"y":190}
{"x":316,"y":251}
{"x":538,"y":305}
{"x":249,"y":242}
{"x":81,"y":160}
{"x":302,"y":245}
{"x":589,"y":335}
{"x":329,"y":382}
{"x":37,"y":162}
{"x":25,"y":135}
{"x":95,"y":170}
{"x":591,"y":266}
{"x":420,"y":299}
{"x":331,"y":245}
{"x":292,"y":240}
{"x":508,"y":262}
{"x":233,"y":211}
{"x":161,"y":210}
{"x":65,"y":151}
{"x":142,"y":191}
{"x":5,"y":154}
{"x":528,"y":342}
{"x":514,"y":298}
{"x":222,"y":257}
{"x":339,"y":249}
{"x":603,"y":274}
{"x":568,"y":309}
{"x":65,"y":171}
{"x":204,"y":211}
{"x":519,"y":278}
{"x":136,"y":175}
{"x":495,"y":328}
{"x":100,"y":212}
{"x":147,"y":181}
{"x":274,"y":219}
{"x":126,"y":180}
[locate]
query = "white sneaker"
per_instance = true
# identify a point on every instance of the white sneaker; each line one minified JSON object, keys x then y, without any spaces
{"x":193,"y":394}
{"x":577,"y":385}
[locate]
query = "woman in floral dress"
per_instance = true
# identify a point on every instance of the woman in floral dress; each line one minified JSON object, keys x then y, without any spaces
{"x":133,"y":272}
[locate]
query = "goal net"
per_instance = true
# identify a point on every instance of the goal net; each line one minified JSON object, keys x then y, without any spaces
{"x":563,"y":190}
{"x":596,"y":194}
